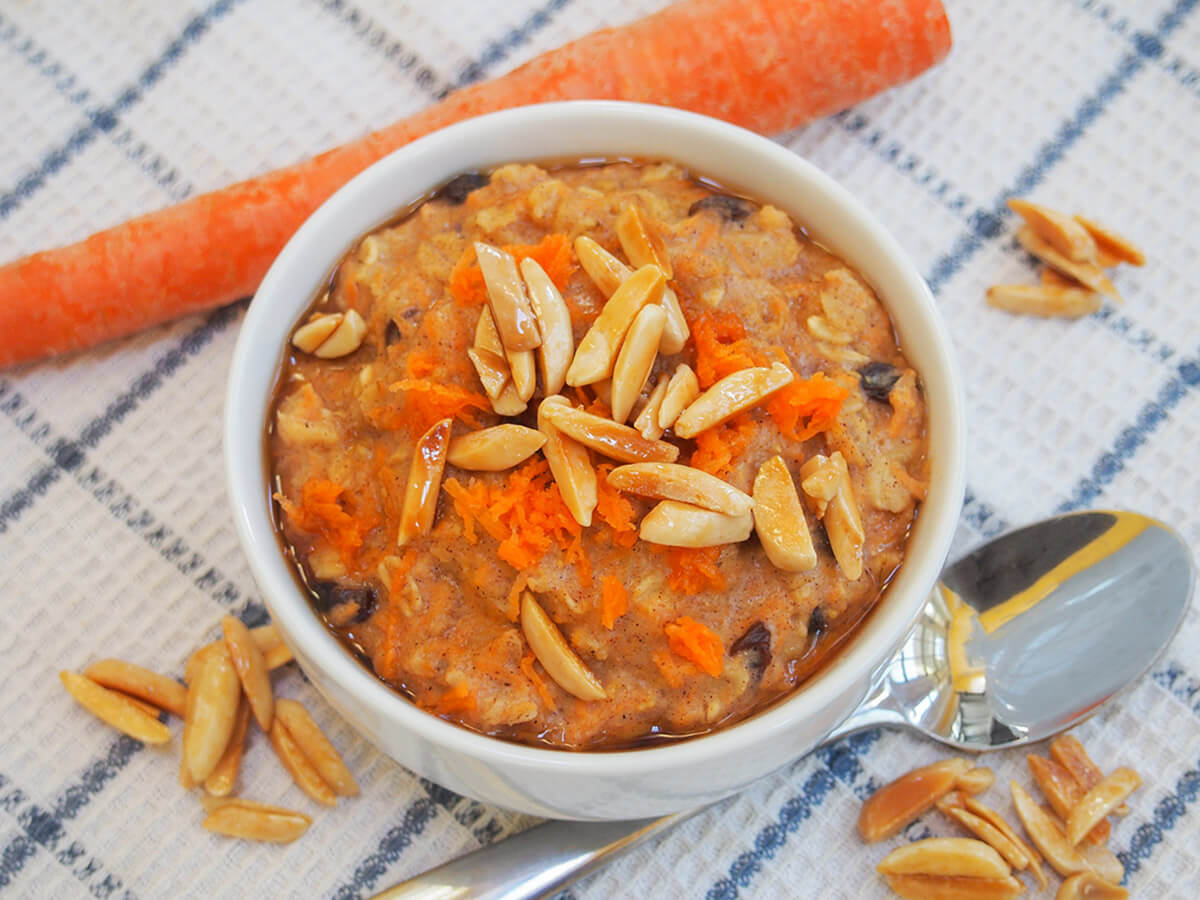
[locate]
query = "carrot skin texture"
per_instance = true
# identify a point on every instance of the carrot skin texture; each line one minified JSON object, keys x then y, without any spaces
{"x":785,"y":63}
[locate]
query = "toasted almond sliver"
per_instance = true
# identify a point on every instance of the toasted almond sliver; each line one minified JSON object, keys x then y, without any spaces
{"x":1062,"y":791}
{"x":195,"y":662}
{"x":213,"y":715}
{"x":157,"y":690}
{"x":114,"y":709}
{"x":266,"y":636}
{"x":682,"y":389}
{"x":252,"y":670}
{"x":642,"y":244}
{"x":671,"y":481}
{"x":1089,"y":886}
{"x":523,"y":365}
{"x":676,"y":331}
{"x":1060,"y":231}
{"x":675,"y":524}
{"x":1088,"y":274}
{"x":611,"y":439}
{"x":492,"y":370}
{"x":570,"y":464}
{"x":606,"y":271}
{"x":221,"y":780}
{"x":729,"y":396}
{"x":1100,"y":802}
{"x":1103,"y":862}
{"x":1001,"y":824}
{"x":424,"y":482}
{"x":317,"y":748}
{"x":597,"y":352}
{"x":636,"y":359}
{"x":891,"y":808}
{"x":186,"y":781}
{"x":554,"y":324}
{"x":647,"y":420}
{"x":1112,"y":244}
{"x":953,"y":857}
{"x":313,"y":333}
{"x":507,"y":298}
{"x":1047,"y":301}
{"x":1068,"y":752}
{"x":985,"y":831}
{"x":345,"y":339}
{"x":939,"y":887}
{"x":976,"y":780}
{"x":843,"y":524}
{"x":490,"y":349}
{"x":555,"y":654}
{"x":1046,"y":834}
{"x":303,"y":772}
{"x":779,"y":518}
{"x":279,"y":655}
{"x":494,"y":449}
{"x":257,"y":823}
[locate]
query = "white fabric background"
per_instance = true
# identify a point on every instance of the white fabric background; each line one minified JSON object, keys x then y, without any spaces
{"x":115,"y":536}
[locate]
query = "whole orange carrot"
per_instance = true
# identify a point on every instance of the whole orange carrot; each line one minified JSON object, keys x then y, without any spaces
{"x":768,"y":65}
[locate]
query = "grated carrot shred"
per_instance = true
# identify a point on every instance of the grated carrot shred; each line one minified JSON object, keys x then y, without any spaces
{"x":614,"y":601}
{"x":458,"y":699}
{"x":430,"y":402}
{"x":322,"y":512}
{"x":614,"y":509}
{"x":815,"y":400}
{"x":694,"y":569}
{"x":717,"y":448}
{"x":420,"y":363}
{"x":513,"y":606}
{"x":721,"y":347}
{"x":537,"y":681}
{"x":552,"y":253}
{"x":697,"y":643}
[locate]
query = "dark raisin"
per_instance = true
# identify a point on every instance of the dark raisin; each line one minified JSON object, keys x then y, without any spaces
{"x":728,"y":207}
{"x":756,"y":643}
{"x":411,"y":313}
{"x":456,"y":189}
{"x":878,"y":379}
{"x":816,"y":622}
{"x":392,"y":334}
{"x":331,"y":595}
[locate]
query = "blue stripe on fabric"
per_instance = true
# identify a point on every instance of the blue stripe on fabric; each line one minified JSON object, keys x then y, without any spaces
{"x":103,"y":120}
{"x":514,"y":39}
{"x":1177,"y":67}
{"x":368,"y":872}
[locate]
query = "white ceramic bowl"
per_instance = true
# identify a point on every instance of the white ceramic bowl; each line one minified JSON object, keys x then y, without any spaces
{"x":559,"y":784}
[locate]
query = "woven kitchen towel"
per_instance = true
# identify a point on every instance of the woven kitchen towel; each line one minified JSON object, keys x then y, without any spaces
{"x":115,"y":536}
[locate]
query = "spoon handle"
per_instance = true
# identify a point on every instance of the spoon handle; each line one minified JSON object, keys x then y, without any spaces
{"x":537,"y":862}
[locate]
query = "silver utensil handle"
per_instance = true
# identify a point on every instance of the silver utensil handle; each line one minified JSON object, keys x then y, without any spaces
{"x":537,"y":862}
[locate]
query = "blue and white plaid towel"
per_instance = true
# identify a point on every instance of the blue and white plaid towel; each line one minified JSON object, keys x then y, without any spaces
{"x":115,"y":536}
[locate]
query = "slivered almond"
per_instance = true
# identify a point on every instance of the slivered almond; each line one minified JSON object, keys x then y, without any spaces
{"x":313,"y":333}
{"x":987,"y":832}
{"x":346,"y":338}
{"x":603,"y":391}
{"x":1112,"y":244}
{"x":424,"y":482}
{"x":487,"y":339}
{"x":251,"y":668}
{"x":555,"y":654}
{"x":596,"y":353}
{"x":554,"y":324}
{"x":997,"y":821}
{"x":570,"y":464}
{"x":1060,"y":231}
{"x":671,"y":481}
{"x":676,"y":331}
{"x":976,"y":780}
{"x":642,"y":244}
{"x":1062,"y":791}
{"x":1088,"y":274}
{"x":611,"y":439}
{"x":843,"y":524}
{"x":1046,"y":834}
{"x":303,"y":772}
{"x":952,"y":857}
{"x":1099,"y":802}
{"x":891,"y":808}
{"x":114,"y":709}
{"x":675,"y":524}
{"x":635,"y":360}
{"x":1047,"y":301}
{"x":492,"y":369}
{"x":157,"y":690}
{"x":186,"y":781}
{"x":682,"y":389}
{"x":1069,"y":753}
{"x":195,"y":662}
{"x":779,"y":518}
{"x":256,"y":822}
{"x":729,"y":396}
{"x":1089,"y":886}
{"x":213,"y":714}
{"x":1102,"y":861}
{"x":939,"y":887}
{"x":494,"y":449}
{"x":647,"y":420}
{"x":221,"y":780}
{"x":277,"y":656}
{"x":507,"y":298}
{"x":523,"y":365}
{"x":316,"y":748}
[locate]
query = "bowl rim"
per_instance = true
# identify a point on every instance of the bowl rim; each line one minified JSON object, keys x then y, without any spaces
{"x":872,"y":643}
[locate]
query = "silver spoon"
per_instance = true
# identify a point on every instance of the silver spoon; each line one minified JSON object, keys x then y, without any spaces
{"x":1068,"y":613}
